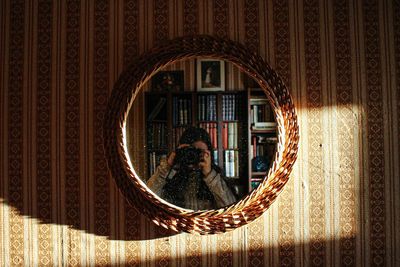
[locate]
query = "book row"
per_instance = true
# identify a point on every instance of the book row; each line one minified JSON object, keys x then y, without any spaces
{"x":176,"y":135}
{"x":263,"y":146}
{"x":182,"y":111}
{"x":231,"y":161}
{"x":157,"y":135}
{"x":260,"y":111}
{"x":211,"y":128}
{"x":230,"y":135}
{"x":230,"y":107}
{"x":207,"y":108}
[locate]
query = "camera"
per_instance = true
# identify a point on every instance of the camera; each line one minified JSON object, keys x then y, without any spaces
{"x":188,"y":158}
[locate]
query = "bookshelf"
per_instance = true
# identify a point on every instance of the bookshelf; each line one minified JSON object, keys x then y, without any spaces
{"x":222,"y":114}
{"x":241,"y":125}
{"x":262,"y":136}
{"x":233,"y":144}
{"x":156,"y":129}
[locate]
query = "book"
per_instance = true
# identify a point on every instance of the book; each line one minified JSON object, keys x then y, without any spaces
{"x":254,"y":146}
{"x":227,"y":164}
{"x":225,"y":136}
{"x":210,"y":108}
{"x":175,"y":111}
{"x":185,"y":111}
{"x":232,"y":107}
{"x":214,"y":107}
{"x":229,"y":104}
{"x":211,"y":128}
{"x":180,"y":111}
{"x":231,"y":136}
{"x":204,"y":108}
{"x":236,"y":161}
{"x":231,"y":163}
{"x":157,"y":137}
{"x":261,"y":110}
{"x":229,"y":168}
{"x":189,"y":111}
{"x":228,"y":107}
{"x":199,"y":103}
{"x":255,"y":114}
{"x":215,"y":135}
{"x":259,"y":101}
{"x":215,"y":154}
{"x":235,"y":135}
{"x":236,"y":107}
{"x":224,"y":107}
{"x":157,"y":108}
{"x":264,"y":126}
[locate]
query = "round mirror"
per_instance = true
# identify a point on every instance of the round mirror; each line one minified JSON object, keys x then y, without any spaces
{"x":161,"y":121}
{"x":201,"y":134}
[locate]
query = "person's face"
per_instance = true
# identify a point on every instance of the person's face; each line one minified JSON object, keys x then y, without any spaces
{"x":200,"y":145}
{"x":203,"y":146}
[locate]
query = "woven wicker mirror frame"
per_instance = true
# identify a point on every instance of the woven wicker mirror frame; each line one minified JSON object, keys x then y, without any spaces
{"x":134,"y":189}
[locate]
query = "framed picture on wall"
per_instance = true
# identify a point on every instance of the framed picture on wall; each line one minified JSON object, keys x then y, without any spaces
{"x":167,"y":81}
{"x":210,"y":75}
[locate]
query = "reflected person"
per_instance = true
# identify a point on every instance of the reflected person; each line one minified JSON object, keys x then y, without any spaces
{"x":189,"y":178}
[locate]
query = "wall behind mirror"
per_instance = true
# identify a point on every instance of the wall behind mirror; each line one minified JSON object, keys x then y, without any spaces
{"x":60,"y":60}
{"x":236,"y":122}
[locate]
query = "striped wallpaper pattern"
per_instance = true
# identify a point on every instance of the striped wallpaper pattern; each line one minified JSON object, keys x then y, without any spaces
{"x":59,"y":61}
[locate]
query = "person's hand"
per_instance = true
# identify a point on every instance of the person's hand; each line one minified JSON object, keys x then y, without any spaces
{"x":171,"y":157}
{"x":205,"y":163}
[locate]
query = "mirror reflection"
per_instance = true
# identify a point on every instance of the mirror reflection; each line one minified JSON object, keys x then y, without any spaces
{"x":201,"y":134}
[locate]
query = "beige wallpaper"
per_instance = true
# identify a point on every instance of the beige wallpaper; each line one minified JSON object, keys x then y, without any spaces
{"x":59,"y":60}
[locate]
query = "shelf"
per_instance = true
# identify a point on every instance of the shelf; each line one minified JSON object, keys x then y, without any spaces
{"x":263,"y":131}
{"x":181,"y":125}
{"x":260,"y":174}
{"x":157,"y":121}
{"x":259,"y":100}
{"x":231,"y":121}
{"x":256,"y":89}
{"x":232,"y":92}
{"x":205,"y":121}
{"x":207,"y":92}
{"x":234,"y":178}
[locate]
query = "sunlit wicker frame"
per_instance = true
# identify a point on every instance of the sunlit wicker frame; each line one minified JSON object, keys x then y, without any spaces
{"x":161,"y":212}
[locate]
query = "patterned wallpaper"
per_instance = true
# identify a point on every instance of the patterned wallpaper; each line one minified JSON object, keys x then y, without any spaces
{"x":59,"y":60}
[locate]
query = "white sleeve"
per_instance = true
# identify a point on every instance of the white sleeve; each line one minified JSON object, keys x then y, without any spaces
{"x":158,"y":179}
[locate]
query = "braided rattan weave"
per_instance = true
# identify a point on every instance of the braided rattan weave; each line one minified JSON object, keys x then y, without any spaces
{"x":161,"y":212}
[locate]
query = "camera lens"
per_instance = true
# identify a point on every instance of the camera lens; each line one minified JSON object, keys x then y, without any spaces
{"x":188,"y":158}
